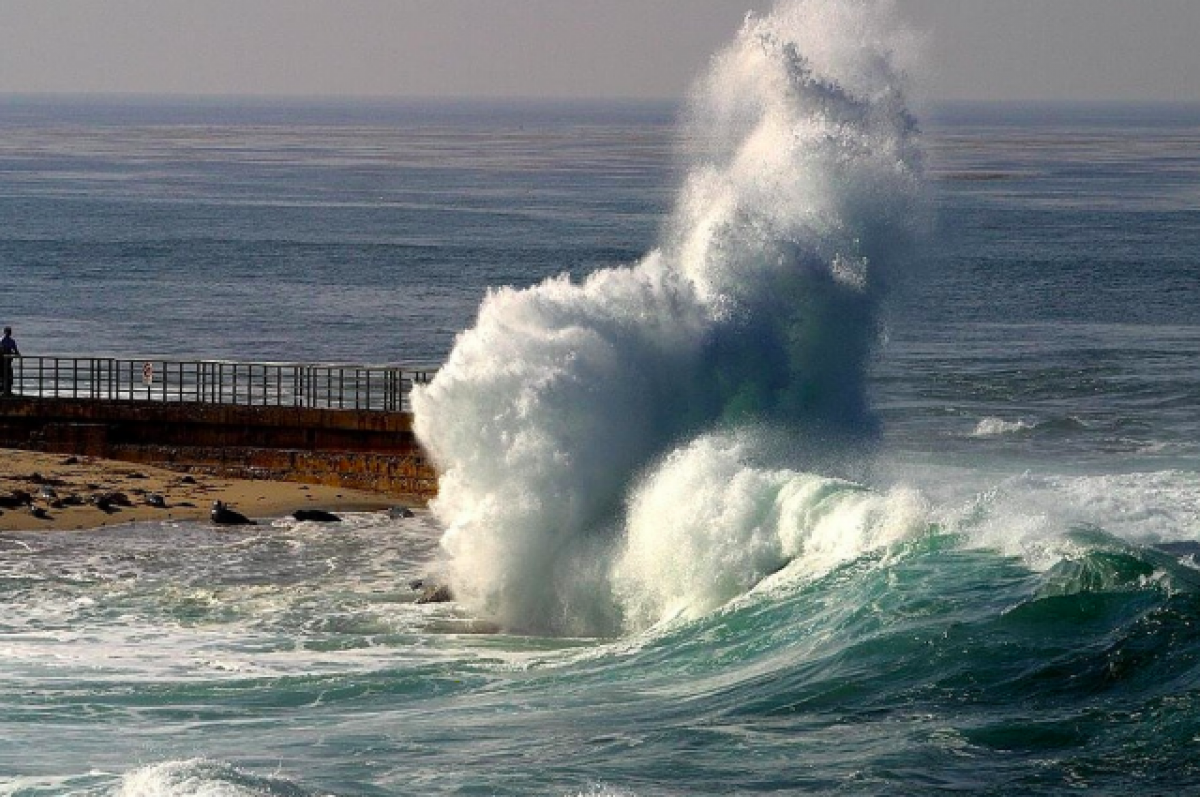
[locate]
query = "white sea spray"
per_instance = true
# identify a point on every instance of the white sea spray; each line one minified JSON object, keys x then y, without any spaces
{"x":758,"y":307}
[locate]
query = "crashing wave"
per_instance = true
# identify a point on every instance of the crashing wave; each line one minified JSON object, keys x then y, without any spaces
{"x":759,"y":307}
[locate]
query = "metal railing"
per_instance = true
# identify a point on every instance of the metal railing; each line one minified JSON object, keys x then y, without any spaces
{"x":383,"y":388}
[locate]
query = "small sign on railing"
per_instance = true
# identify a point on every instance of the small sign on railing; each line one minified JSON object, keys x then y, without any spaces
{"x":148,"y":374}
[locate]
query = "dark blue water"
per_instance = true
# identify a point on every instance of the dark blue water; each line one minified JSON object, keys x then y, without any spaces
{"x":348,"y":233}
{"x":1006,"y":627}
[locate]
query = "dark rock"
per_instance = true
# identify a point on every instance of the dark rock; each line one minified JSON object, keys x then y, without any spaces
{"x":398,"y":512}
{"x":38,"y":478}
{"x":222,"y":515}
{"x":47,"y":492}
{"x":156,"y":500}
{"x":39,"y":513}
{"x":108,"y":502}
{"x":101,"y":501}
{"x":187,"y":480}
{"x":436,"y":593}
{"x":15,"y":499}
{"x":316,"y":516}
{"x":70,"y":461}
{"x":416,"y":583}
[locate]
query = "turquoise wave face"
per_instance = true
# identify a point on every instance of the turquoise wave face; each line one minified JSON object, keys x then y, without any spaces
{"x":928,"y":664}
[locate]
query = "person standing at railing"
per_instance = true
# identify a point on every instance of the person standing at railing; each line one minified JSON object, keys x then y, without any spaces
{"x":8,"y":352}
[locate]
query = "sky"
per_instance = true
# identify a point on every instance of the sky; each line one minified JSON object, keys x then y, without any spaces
{"x":975,"y":49}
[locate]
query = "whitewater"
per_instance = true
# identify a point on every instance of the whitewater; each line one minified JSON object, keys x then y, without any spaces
{"x":595,"y":439}
{"x":803,"y":440}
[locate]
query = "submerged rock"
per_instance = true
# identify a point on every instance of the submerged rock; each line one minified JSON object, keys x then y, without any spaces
{"x":436,"y":593}
{"x":316,"y":516}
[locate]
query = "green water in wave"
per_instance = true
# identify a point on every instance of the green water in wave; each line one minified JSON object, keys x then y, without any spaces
{"x":931,"y":666}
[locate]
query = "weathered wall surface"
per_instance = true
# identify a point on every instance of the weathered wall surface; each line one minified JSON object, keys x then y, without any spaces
{"x":350,"y":448}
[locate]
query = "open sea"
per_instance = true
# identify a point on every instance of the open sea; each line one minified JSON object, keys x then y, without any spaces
{"x":866,"y":461}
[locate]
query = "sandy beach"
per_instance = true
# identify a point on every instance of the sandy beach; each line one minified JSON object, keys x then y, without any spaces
{"x":64,"y":491}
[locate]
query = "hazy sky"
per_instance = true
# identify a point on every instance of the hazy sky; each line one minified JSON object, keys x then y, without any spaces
{"x":977,"y":49}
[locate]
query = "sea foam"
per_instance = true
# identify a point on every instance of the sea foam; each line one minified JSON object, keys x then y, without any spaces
{"x":198,"y":778}
{"x":557,"y":420}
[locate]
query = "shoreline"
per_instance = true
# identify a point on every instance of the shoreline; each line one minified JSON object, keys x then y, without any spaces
{"x":74,"y":481}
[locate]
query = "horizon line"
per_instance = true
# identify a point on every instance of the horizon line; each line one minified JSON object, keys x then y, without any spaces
{"x":349,"y":99}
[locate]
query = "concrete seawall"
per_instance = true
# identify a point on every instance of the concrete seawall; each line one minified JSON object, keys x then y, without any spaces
{"x":359,"y":449}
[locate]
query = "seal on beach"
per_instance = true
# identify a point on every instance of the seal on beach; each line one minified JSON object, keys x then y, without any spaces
{"x":156,"y":500}
{"x":224,"y":516}
{"x":316,"y":516}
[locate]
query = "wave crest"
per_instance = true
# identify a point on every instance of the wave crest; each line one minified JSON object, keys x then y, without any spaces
{"x":201,"y":778}
{"x":758,"y":306}
{"x":708,"y":525}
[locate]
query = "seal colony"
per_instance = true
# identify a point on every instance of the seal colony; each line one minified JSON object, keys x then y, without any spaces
{"x":41,"y":491}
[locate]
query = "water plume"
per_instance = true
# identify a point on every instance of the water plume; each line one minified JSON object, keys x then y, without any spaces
{"x":758,"y":309}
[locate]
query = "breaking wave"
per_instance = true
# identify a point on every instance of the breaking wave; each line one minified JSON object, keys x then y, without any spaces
{"x":647,"y":442}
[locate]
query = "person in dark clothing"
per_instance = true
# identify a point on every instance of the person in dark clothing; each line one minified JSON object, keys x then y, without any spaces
{"x":8,"y":352}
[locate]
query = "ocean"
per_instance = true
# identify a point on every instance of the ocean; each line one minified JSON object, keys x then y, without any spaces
{"x":794,"y":440}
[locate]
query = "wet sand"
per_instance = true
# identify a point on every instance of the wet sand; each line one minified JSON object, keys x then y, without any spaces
{"x":64,"y":490}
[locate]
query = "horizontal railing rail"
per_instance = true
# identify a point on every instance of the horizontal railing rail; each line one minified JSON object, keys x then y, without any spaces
{"x":383,"y":388}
